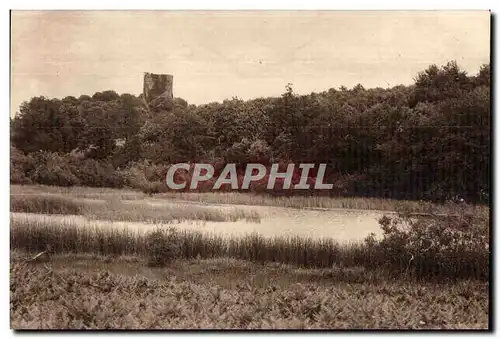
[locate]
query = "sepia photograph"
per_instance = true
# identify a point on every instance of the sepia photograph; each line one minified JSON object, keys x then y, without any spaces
{"x":250,"y":169}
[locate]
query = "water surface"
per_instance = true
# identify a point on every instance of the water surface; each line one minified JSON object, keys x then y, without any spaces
{"x":342,"y":225}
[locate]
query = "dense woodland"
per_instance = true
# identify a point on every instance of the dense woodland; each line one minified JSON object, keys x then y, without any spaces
{"x":429,"y":140}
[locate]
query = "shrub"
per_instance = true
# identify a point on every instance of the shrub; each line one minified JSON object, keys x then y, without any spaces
{"x":53,"y":169}
{"x":20,"y":165}
{"x":148,"y":178}
{"x":18,"y":177}
{"x":454,"y":245}
{"x":162,"y":246}
{"x":98,"y":174}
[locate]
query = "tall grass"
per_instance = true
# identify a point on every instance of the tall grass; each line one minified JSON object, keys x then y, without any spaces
{"x":68,"y":237}
{"x":282,"y":201}
{"x":78,"y":192}
{"x":238,"y":198}
{"x":404,"y":250}
{"x":321,"y":202}
{"x":44,"y":204}
{"x":115,"y":210}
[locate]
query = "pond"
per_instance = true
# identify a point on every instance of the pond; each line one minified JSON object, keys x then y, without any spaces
{"x":339,"y":224}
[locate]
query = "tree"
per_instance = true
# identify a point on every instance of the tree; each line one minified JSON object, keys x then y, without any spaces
{"x":484,"y":76}
{"x":435,"y":84}
{"x":49,"y":125}
{"x":99,"y":134}
{"x":105,"y":96}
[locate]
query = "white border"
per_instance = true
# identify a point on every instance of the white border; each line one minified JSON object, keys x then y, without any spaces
{"x":260,"y":5}
{"x":187,"y":4}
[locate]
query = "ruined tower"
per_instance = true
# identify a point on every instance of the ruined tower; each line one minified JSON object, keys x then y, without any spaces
{"x":158,"y":87}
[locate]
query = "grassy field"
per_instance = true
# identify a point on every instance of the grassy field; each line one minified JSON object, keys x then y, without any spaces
{"x":114,"y":209}
{"x":78,"y":292}
{"x":78,"y":192}
{"x":424,"y":273}
{"x":235,"y":198}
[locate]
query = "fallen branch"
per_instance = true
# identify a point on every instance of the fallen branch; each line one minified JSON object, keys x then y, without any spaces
{"x":38,"y":256}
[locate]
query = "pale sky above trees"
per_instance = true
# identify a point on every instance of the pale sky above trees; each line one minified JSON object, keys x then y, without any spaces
{"x":218,"y":55}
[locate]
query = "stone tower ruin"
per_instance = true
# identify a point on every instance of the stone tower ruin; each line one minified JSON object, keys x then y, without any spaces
{"x":158,"y":87}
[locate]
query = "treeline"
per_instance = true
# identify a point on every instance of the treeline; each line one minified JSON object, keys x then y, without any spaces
{"x":429,"y":141}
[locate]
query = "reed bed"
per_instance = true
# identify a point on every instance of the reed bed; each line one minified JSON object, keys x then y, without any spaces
{"x":116,"y":210}
{"x":320,"y":202}
{"x":78,"y":192}
{"x":162,"y":245}
{"x":238,"y":198}
{"x":71,"y":237}
{"x":45,"y":204}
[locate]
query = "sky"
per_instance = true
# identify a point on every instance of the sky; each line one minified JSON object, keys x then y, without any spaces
{"x":219,"y":55}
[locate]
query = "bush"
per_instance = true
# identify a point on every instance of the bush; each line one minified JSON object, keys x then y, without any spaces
{"x":99,"y":174}
{"x":433,"y":245}
{"x":162,"y":246}
{"x":69,"y":169}
{"x":20,"y":165}
{"x":54,"y":169}
{"x":18,"y":177}
{"x":55,"y":175}
{"x":145,"y":177}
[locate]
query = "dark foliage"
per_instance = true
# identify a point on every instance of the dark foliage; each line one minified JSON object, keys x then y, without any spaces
{"x":429,"y":141}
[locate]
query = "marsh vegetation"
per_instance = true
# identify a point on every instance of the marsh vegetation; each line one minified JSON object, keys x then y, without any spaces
{"x":431,"y":266}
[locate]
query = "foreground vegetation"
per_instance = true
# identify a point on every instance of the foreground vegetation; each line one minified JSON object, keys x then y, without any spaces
{"x":426,"y":271}
{"x":78,"y":292}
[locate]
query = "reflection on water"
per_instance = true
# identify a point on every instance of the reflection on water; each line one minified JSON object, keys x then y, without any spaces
{"x":342,"y":225}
